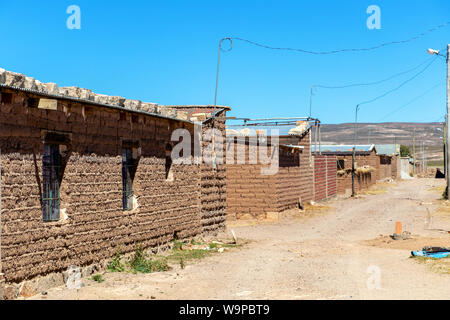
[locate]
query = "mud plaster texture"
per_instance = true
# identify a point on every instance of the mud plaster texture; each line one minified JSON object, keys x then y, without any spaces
{"x":252,"y":194}
{"x":94,"y":227}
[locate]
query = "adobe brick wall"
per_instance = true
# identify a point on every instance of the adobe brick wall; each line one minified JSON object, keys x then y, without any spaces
{"x":362,"y":181}
{"x":91,"y":190}
{"x":213,"y":202}
{"x":395,"y":167}
{"x":325,"y":177}
{"x":250,"y":193}
{"x":384,"y":167}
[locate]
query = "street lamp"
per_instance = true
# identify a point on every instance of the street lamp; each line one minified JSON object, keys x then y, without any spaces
{"x":447,"y":135}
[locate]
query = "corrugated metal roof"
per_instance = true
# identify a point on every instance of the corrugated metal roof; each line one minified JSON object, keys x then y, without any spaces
{"x":343,"y":148}
{"x":387,"y":149}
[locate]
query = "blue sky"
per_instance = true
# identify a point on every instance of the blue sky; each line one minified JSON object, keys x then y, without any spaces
{"x":166,"y":52}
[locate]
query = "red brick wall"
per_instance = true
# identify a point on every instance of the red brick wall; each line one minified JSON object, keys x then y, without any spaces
{"x":325,"y":177}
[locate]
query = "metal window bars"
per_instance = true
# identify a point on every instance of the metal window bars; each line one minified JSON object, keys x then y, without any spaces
{"x":128,"y":169}
{"x":51,"y":172}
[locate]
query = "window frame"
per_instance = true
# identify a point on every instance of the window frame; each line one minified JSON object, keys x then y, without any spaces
{"x":52,"y":168}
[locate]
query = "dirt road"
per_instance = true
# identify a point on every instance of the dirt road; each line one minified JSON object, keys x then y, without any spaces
{"x":336,"y":255}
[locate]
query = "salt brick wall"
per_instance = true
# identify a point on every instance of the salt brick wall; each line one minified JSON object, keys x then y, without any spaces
{"x":91,"y":190}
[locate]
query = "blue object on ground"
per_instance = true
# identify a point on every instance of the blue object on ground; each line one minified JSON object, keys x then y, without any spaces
{"x":436,"y":255}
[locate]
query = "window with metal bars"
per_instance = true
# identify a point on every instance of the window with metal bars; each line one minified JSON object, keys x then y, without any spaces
{"x":129,"y":166}
{"x":52,"y":177}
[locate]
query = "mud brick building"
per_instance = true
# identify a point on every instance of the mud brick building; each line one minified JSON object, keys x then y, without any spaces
{"x":251,"y":194}
{"x":365,"y":157}
{"x":371,"y":166}
{"x":389,"y":160}
{"x":325,"y":176}
{"x":84,"y":176}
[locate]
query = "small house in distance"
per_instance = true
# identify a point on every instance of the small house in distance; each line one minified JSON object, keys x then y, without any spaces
{"x":389,"y":155}
{"x":366,"y":162}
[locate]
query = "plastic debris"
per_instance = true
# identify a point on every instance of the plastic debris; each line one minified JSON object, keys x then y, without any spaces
{"x":432,"y":252}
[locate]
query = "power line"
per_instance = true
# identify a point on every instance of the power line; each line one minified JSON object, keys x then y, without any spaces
{"x":344,"y":50}
{"x":411,"y":101}
{"x":400,"y":86}
{"x":375,"y":82}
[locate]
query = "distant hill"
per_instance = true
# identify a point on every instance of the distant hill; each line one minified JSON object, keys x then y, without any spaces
{"x":431,"y":134}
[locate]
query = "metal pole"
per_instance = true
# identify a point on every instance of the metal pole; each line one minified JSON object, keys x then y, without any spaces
{"x":354,"y":151}
{"x":445,"y":146}
{"x":447,"y":176}
{"x":315,"y":138}
{"x":414,"y":152}
{"x":423,"y":156}
{"x":425,"y":162}
{"x":215,"y":100}
{"x":320,"y":142}
{"x":310,"y":100}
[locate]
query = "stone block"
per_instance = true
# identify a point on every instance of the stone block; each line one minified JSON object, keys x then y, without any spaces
{"x":15,"y":79}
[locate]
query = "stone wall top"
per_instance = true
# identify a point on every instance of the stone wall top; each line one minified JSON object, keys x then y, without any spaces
{"x":14,"y":79}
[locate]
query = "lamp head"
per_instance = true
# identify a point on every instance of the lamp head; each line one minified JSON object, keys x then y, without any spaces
{"x":432,"y":51}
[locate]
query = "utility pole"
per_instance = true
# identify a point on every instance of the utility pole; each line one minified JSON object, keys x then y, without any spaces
{"x":447,"y":176}
{"x":414,"y":152}
{"x":445,"y":146}
{"x":447,"y":133}
{"x":354,"y":151}
{"x":310,"y":99}
{"x":425,"y":162}
{"x":423,"y":157}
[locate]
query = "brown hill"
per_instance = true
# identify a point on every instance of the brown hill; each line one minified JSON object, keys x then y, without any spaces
{"x":431,"y":134}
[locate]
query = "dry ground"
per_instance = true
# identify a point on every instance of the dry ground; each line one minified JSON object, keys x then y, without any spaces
{"x":328,"y":253}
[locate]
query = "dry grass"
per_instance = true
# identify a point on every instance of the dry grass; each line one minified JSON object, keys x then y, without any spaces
{"x":443,"y":210}
{"x":441,"y":266}
{"x":317,"y":207}
{"x":379,"y":188}
{"x":365,"y":169}
{"x":373,"y":192}
{"x":439,"y":190}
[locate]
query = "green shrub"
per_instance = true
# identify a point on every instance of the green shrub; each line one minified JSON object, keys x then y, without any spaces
{"x":116,"y":265}
{"x":98,"y":278}
{"x":141,"y":263}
